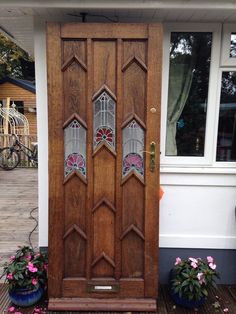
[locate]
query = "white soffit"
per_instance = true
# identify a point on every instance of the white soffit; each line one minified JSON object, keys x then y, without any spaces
{"x":16,"y":17}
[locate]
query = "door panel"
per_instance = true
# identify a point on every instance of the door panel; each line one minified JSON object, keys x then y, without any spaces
{"x":103,"y":79}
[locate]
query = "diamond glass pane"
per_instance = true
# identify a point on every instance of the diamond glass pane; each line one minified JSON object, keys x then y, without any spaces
{"x":133,"y":146}
{"x":104,"y":120}
{"x":75,"y":148}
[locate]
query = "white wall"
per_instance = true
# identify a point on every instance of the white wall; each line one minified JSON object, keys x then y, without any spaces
{"x":198,"y":210}
{"x":198,"y":207}
{"x":42,"y":126}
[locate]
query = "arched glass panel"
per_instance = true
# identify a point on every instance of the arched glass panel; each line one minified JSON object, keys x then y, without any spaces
{"x":75,"y":148}
{"x":133,"y":146}
{"x":104,"y":120}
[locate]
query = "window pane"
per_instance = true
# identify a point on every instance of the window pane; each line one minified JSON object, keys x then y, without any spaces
{"x":133,"y":146}
{"x":75,"y":148}
{"x":190,"y":56}
{"x":232,"y":53}
{"x":226,"y":143}
{"x":104,"y":120}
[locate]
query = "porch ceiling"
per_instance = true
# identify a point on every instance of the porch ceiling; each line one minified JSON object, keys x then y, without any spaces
{"x":16,"y":17}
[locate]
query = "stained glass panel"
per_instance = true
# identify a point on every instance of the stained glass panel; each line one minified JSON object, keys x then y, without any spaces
{"x":75,"y":148}
{"x":133,"y":146}
{"x":104,"y":120}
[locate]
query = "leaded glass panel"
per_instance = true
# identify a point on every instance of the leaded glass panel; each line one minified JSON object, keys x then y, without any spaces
{"x":133,"y":146}
{"x":104,"y":120}
{"x":75,"y":148}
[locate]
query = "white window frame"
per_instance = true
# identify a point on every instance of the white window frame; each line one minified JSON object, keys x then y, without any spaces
{"x":226,"y":60}
{"x":223,"y":164}
{"x":207,"y":159}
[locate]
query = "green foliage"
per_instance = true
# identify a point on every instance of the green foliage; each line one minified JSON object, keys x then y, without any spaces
{"x":14,"y":61}
{"x":191,"y":278}
{"x":26,"y":269}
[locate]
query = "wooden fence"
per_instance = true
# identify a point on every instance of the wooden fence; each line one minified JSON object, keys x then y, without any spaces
{"x":7,"y":140}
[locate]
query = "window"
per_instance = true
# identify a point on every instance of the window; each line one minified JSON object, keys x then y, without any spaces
{"x":226,"y":141}
{"x":189,"y":68}
{"x":228,"y":54}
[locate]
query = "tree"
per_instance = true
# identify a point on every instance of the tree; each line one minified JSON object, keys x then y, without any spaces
{"x":14,"y":61}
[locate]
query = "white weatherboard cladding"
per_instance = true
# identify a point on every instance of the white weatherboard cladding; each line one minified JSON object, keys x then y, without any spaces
{"x":198,"y":211}
{"x":198,"y":207}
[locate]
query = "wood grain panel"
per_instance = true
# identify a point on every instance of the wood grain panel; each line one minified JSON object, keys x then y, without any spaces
{"x":75,"y":250}
{"x":134,"y":91}
{"x":153,"y":134}
{"x":104,"y":59}
{"x":132,"y":256}
{"x":133,"y":211}
{"x":103,"y":30}
{"x":104,"y":223}
{"x":75,"y":47}
{"x":104,"y":175}
{"x":75,"y":203}
{"x":56,"y":148}
{"x":136,"y":48}
{"x":75,"y":91}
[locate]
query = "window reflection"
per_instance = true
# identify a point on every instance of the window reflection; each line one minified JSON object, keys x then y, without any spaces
{"x":190,"y":55}
{"x":226,"y":143}
{"x":232,"y":52}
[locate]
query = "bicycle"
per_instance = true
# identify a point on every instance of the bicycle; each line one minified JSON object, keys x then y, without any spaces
{"x":10,"y":157}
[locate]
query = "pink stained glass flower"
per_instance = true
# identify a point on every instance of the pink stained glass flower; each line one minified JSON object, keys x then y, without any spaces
{"x":178,"y":260}
{"x":75,"y":161}
{"x":132,"y":161}
{"x":104,"y":134}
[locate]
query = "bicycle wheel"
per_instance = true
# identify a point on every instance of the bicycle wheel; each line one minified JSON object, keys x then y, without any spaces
{"x":9,"y":158}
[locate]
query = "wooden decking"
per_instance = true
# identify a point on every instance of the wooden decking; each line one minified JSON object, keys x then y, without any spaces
{"x":218,"y":301}
{"x":18,"y":196}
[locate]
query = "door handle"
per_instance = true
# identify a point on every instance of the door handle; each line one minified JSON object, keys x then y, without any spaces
{"x":152,"y":153}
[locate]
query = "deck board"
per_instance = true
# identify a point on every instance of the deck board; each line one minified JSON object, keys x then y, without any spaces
{"x":165,"y":304}
{"x":18,"y":196}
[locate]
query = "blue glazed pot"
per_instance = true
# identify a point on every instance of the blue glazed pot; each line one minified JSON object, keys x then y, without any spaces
{"x":190,"y":304}
{"x":185,"y":302}
{"x":25,"y":297}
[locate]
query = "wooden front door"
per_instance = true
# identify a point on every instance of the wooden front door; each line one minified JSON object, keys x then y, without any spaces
{"x":104,"y":83}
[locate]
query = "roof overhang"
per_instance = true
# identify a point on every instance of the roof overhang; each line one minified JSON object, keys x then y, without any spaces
{"x":17,"y":16}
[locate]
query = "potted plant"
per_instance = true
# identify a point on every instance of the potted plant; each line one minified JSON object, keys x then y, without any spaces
{"x":190,"y":280}
{"x":26,"y":276}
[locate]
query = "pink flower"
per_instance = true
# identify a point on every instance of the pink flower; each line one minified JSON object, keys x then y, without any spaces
{"x":34,"y":281}
{"x":11,"y":309}
{"x":45,"y":266}
{"x":212,"y":266}
{"x":10,"y":276}
{"x":210,"y":259}
{"x":11,"y":258}
{"x":28,"y":257}
{"x":201,"y":278}
{"x":18,"y":312}
{"x":194,"y":262}
{"x":31,"y":268}
{"x":226,"y":310}
{"x":37,"y":310}
{"x":178,"y":260}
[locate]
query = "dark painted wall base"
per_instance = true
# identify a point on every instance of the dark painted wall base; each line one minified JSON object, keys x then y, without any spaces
{"x":224,"y":259}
